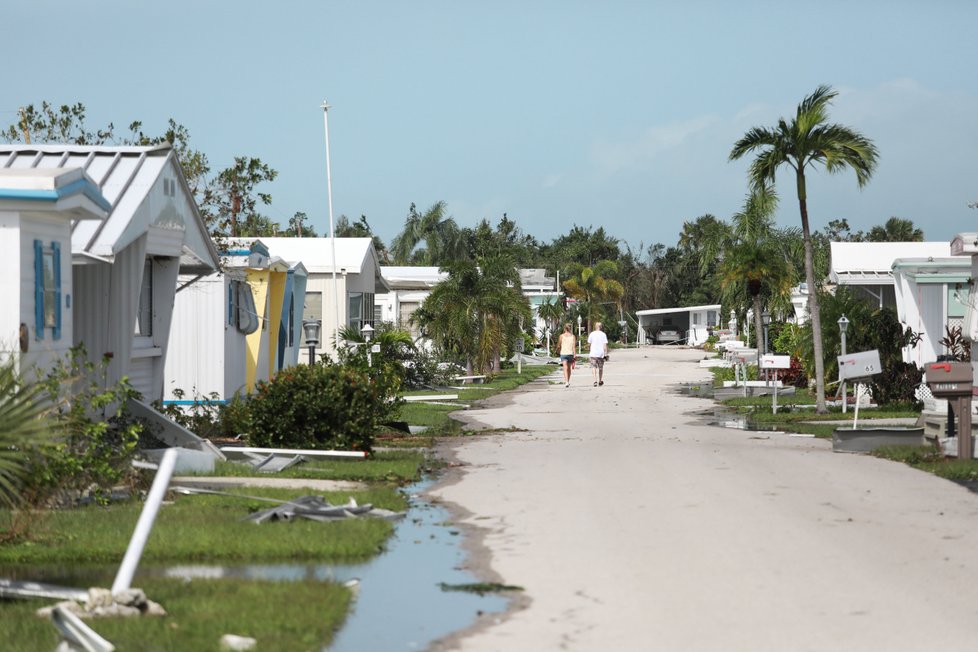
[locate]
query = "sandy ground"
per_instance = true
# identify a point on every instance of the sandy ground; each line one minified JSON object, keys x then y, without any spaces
{"x":632,"y":525}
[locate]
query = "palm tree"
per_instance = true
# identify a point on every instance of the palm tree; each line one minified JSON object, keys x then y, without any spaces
{"x":896,"y":229}
{"x":807,"y":140}
{"x":475,"y":311}
{"x":592,"y":285}
{"x":752,"y":257}
{"x":24,"y":425}
{"x":440,"y":234}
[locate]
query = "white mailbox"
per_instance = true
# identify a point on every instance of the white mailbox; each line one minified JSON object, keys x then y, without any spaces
{"x":771,"y":361}
{"x":743,"y":356}
{"x":853,"y":366}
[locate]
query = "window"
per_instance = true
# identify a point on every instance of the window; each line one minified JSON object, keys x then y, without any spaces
{"x":47,"y":289}
{"x":360,"y":309}
{"x":144,"y":316}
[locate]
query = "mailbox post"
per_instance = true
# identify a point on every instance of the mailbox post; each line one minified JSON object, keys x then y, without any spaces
{"x":953,"y":381}
{"x":775,"y":362}
{"x":858,"y":367}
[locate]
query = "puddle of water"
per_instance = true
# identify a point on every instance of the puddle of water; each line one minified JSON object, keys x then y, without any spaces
{"x":400,"y":604}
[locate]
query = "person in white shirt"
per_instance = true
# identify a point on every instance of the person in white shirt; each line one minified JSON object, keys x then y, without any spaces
{"x":598,"y":353}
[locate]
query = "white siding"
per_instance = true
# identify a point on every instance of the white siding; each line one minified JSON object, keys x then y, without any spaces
{"x":195,"y":360}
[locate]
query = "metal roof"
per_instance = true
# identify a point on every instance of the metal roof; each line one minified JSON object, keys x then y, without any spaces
{"x":871,"y":263}
{"x":665,"y":311}
{"x":352,"y":254}
{"x":124,"y":176}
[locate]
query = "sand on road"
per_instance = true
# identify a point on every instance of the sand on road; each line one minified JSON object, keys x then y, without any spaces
{"x":634,"y":525}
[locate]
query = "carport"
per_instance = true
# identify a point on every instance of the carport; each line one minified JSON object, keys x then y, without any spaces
{"x":691,"y":325}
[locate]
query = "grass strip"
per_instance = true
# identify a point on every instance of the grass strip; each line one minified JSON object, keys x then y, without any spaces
{"x":282,"y":616}
{"x":400,"y":467}
{"x":204,"y":528}
{"x":931,"y":460}
{"x":437,"y":417}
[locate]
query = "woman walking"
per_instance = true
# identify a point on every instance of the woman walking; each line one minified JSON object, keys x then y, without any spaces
{"x":567,"y":343}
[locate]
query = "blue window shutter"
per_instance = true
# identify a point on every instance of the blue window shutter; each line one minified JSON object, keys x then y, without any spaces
{"x":56,"y":247}
{"x":230,"y":303}
{"x":39,"y":289}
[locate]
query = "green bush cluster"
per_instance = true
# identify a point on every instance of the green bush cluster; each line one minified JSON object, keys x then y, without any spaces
{"x":95,"y":436}
{"x":322,"y":406}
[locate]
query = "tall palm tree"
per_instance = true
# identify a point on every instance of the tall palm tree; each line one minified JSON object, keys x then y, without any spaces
{"x":805,"y":141}
{"x":441,"y":236}
{"x":592,"y":285}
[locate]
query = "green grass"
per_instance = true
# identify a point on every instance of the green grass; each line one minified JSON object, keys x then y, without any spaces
{"x":927,"y":458}
{"x":401,"y":466}
{"x":437,"y":417}
{"x":204,"y":528}
{"x":282,"y":616}
{"x":789,"y":419}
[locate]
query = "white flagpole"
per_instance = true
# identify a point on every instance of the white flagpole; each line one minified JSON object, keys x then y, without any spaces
{"x":332,"y":234}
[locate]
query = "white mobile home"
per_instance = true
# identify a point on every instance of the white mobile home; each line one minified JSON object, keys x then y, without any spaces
{"x":124,"y":268}
{"x":37,"y":208}
{"x":931,"y":296}
{"x":235,"y":327}
{"x":355,"y":276}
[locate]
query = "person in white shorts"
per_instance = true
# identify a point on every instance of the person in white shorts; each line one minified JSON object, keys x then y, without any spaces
{"x":598,"y":353}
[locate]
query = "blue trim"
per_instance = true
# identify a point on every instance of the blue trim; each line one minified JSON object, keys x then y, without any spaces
{"x":200,"y":402}
{"x":39,"y":289}
{"x":239,"y":252}
{"x":82,"y":186}
{"x":56,"y":332}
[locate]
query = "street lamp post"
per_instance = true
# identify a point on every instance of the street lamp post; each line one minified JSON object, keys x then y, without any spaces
{"x":766,"y":322}
{"x":311,"y":327}
{"x":578,"y":334}
{"x":843,"y":327}
{"x":368,"y":334}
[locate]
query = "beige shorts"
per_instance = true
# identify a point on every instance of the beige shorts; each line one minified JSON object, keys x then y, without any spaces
{"x":597,"y":362}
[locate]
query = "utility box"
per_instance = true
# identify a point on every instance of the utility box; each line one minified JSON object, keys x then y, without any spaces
{"x":949,"y":379}
{"x":864,"y":364}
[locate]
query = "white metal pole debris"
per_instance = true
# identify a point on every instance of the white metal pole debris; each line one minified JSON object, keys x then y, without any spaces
{"x":855,"y":417}
{"x":123,"y":579}
{"x":78,"y":635}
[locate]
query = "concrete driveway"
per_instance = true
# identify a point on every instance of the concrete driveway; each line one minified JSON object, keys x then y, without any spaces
{"x":632,"y":525}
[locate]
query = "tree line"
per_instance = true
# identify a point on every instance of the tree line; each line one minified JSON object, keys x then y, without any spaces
{"x":745,"y":261}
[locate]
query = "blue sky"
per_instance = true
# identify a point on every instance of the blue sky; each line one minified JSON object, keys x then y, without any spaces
{"x":617,"y":114}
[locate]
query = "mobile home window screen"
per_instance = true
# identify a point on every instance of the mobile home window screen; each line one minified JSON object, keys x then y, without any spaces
{"x":47,"y":289}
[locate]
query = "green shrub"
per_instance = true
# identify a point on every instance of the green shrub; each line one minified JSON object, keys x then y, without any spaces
{"x":321,"y":406}
{"x":96,"y":435}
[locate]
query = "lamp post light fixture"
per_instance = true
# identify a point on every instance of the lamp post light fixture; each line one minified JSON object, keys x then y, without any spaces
{"x":368,"y":334}
{"x":311,"y":327}
{"x":843,"y":327}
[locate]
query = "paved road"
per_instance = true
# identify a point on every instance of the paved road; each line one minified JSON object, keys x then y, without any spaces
{"x":634,"y":526}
